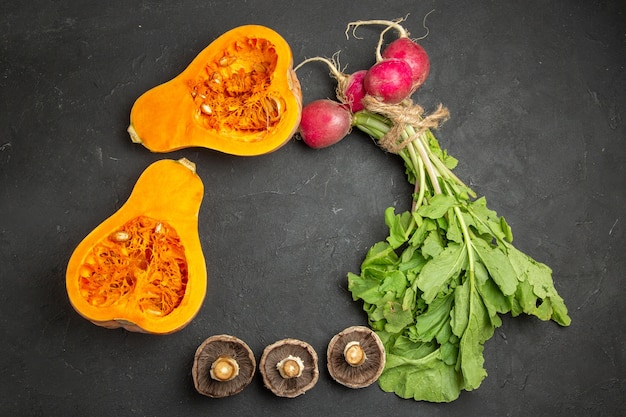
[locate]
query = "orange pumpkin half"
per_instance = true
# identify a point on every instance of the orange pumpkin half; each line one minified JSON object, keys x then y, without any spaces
{"x":143,"y":268}
{"x":240,"y":96}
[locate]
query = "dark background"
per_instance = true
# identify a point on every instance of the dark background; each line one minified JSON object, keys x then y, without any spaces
{"x":537,"y":94}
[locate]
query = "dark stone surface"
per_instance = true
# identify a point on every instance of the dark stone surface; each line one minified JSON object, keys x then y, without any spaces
{"x":537,"y":95}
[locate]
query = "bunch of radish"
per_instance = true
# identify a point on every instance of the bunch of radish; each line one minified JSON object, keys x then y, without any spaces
{"x":437,"y":285}
{"x":400,"y":69}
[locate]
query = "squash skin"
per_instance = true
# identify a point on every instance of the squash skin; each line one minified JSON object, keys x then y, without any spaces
{"x":162,"y":119}
{"x":169,"y":191}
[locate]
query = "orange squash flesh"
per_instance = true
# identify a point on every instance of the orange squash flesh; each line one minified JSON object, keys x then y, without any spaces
{"x":240,"y":96}
{"x":143,"y":268}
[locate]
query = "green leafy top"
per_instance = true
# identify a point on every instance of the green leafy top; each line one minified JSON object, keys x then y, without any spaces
{"x":434,"y":290}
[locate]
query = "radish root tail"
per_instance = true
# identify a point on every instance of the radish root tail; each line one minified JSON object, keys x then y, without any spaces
{"x":332,"y":63}
{"x":395,"y":24}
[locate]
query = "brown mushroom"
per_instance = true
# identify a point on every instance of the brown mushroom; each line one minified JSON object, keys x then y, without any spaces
{"x":289,"y":367}
{"x":356,"y":357}
{"x":223,"y":365}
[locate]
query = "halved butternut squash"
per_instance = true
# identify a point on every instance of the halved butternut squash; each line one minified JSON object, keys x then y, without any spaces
{"x":143,"y":268}
{"x":240,"y":96}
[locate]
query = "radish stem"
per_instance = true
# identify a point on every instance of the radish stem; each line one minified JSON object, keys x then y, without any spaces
{"x":441,"y":167}
{"x":430,"y":168}
{"x":372,"y":121}
{"x":377,"y":126}
{"x":422,"y":187}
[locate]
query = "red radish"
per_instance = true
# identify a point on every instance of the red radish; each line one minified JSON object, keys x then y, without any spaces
{"x":402,"y":48}
{"x":413,"y":54}
{"x":352,"y":90}
{"x":324,"y":122}
{"x":389,"y":81}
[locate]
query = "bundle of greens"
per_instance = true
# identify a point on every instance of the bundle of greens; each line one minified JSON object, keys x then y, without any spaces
{"x":435,"y":288}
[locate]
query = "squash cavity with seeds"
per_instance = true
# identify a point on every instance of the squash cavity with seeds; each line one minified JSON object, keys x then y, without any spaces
{"x":143,"y":268}
{"x":239,"y":96}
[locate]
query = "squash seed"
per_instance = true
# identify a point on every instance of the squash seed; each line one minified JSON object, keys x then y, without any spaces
{"x":120,"y":236}
{"x":206,"y":109}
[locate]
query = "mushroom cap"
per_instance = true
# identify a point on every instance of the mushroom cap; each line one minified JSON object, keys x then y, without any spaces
{"x":356,"y":376}
{"x":208,"y":352}
{"x":289,"y":387}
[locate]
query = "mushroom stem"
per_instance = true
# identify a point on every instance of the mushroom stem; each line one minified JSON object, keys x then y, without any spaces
{"x":354,"y":354}
{"x":290,"y":367}
{"x":225,"y":368}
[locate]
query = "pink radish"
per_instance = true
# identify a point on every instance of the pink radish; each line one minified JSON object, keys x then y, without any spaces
{"x":402,"y":48}
{"x":324,"y":122}
{"x":350,"y":89}
{"x":413,"y":54}
{"x":389,"y":81}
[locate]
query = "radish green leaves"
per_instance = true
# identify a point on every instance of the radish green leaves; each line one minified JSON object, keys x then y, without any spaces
{"x":435,"y":289}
